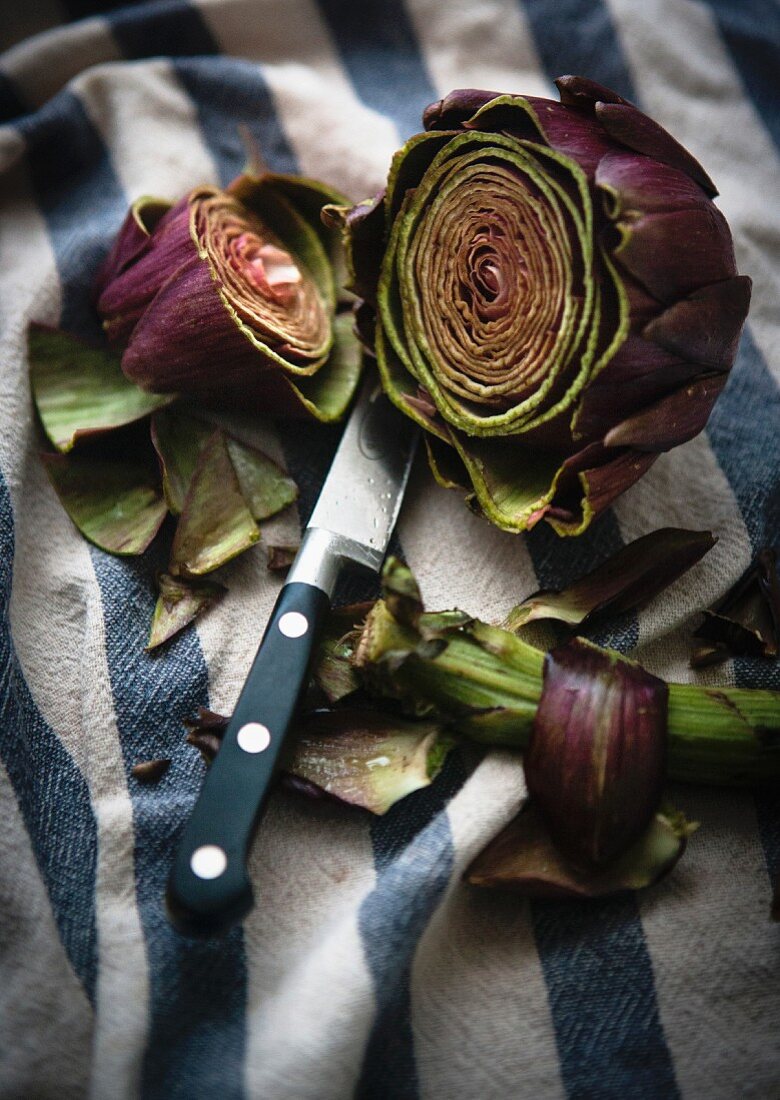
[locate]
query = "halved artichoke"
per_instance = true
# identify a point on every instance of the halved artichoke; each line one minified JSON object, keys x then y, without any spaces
{"x":554,"y":297}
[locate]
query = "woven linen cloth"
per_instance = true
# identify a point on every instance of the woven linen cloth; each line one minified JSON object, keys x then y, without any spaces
{"x":367,"y":967}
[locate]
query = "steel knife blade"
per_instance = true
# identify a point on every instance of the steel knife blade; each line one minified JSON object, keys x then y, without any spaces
{"x":351,"y":525}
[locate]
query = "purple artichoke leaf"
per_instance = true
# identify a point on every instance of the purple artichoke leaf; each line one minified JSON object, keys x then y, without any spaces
{"x":361,"y":230}
{"x":79,"y":389}
{"x":674,"y":254}
{"x":673,"y":420}
{"x":150,"y":771}
{"x":746,"y":621}
{"x":524,"y":859}
{"x":215,"y":523}
{"x":133,"y":238}
{"x":596,"y":759}
{"x":629,"y":126}
{"x":626,"y":581}
{"x":180,"y":602}
{"x":579,"y":91}
{"x":705,"y":326}
{"x":456,"y":108}
{"x":281,"y":556}
{"x":116,"y":503}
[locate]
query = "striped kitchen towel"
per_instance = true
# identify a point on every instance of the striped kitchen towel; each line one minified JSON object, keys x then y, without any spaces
{"x":367,"y":968}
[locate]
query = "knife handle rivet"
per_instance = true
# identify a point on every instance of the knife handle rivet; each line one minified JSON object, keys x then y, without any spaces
{"x":293,"y":624}
{"x":254,"y":737}
{"x":208,"y":861}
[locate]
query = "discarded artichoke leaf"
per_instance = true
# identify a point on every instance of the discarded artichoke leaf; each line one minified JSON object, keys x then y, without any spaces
{"x":358,"y":756}
{"x":333,"y":671}
{"x":179,"y":602}
{"x":367,"y":758}
{"x":178,"y":440}
{"x":115,"y":504}
{"x":402,"y":593}
{"x":79,"y":389}
{"x":215,"y":524}
{"x":524,"y":859}
{"x":747,"y":620}
{"x":149,"y":771}
{"x":486,"y":683}
{"x":596,"y":759}
{"x":281,"y":557}
{"x":628,"y":580}
{"x":266,"y":487}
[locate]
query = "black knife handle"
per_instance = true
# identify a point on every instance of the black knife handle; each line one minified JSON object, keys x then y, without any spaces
{"x":209,"y":889}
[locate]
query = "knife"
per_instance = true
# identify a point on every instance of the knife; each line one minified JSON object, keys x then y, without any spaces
{"x":209,"y":889}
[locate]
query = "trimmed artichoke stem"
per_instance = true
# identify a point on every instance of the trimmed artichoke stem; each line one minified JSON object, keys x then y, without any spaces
{"x":714,"y":733}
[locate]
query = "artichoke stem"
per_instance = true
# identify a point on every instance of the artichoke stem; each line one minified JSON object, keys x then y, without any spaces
{"x":487,"y":683}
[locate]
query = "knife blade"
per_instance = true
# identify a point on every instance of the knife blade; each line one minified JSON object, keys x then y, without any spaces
{"x":209,"y":889}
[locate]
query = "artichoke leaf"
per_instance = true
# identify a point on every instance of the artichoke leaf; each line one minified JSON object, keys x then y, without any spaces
{"x":179,"y":602}
{"x":79,"y":389}
{"x":360,"y":757}
{"x":524,"y":859}
{"x":215,"y":523}
{"x":626,"y":581}
{"x":116,"y":505}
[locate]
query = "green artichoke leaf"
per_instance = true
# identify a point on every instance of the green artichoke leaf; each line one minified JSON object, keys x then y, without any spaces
{"x":524,"y":859}
{"x":627,"y":580}
{"x":267,"y":489}
{"x":116,"y":504}
{"x":367,"y":758}
{"x":361,"y":757}
{"x":328,"y":394}
{"x":333,"y":670}
{"x":178,"y":440}
{"x":79,"y":389}
{"x":215,"y":523}
{"x":179,"y":602}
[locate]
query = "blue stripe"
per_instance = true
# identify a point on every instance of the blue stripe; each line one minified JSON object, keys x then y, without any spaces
{"x":230,"y":96}
{"x":579,"y":37}
{"x":414,"y":857}
{"x":198,"y":990}
{"x":602,"y":1000}
{"x":380,"y":54}
{"x":52,"y":794}
{"x":607,"y":1026}
{"x":752,"y":35}
{"x":167,"y":28}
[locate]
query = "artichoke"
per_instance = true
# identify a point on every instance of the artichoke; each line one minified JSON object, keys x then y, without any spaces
{"x":553,"y":294}
{"x":232,"y":297}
